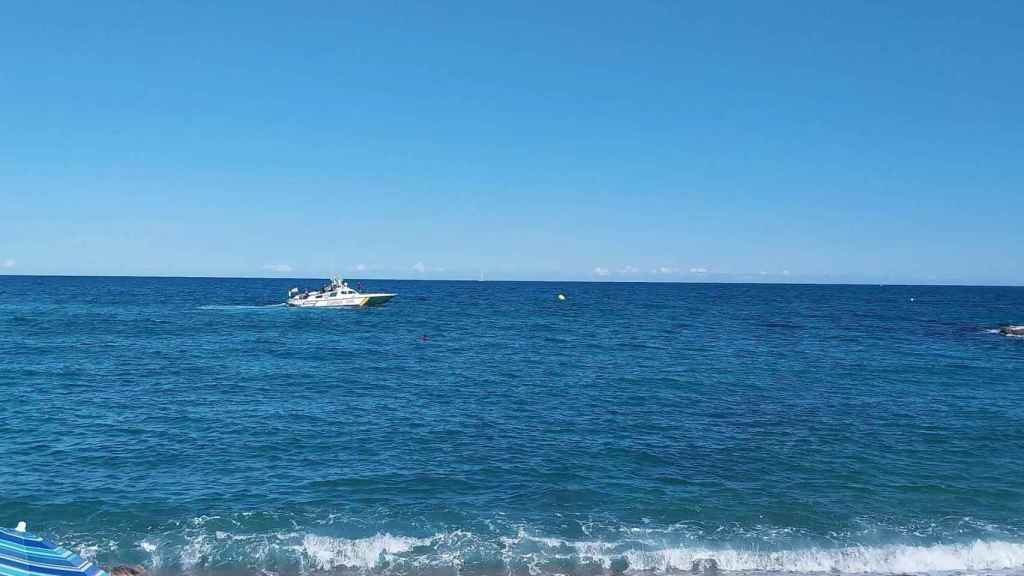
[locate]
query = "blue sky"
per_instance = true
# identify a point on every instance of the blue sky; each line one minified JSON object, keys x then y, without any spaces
{"x":676,"y":141}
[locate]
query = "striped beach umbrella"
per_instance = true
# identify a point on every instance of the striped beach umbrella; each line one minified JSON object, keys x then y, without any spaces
{"x":25,"y":554}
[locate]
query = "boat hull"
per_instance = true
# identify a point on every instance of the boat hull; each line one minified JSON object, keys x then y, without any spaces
{"x":346,"y":301}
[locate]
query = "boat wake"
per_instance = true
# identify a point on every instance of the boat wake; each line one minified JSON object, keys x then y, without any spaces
{"x":242,"y":307}
{"x":1003,"y":332}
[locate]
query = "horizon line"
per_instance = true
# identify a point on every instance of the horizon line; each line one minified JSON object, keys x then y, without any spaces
{"x":604,"y":281}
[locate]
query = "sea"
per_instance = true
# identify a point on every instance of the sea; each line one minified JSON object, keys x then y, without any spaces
{"x":199,"y":426}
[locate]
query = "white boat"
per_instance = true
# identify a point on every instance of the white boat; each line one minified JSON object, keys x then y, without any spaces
{"x":335,"y":293}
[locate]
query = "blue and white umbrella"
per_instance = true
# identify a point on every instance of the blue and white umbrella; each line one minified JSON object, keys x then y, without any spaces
{"x":25,"y":554}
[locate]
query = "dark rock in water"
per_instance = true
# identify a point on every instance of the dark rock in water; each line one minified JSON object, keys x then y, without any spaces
{"x":619,"y":565}
{"x":705,"y":566}
{"x":1012,"y":330}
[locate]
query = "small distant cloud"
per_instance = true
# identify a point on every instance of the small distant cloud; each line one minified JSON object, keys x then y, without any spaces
{"x":698,"y":270}
{"x":627,"y":269}
{"x":665,"y":270}
{"x":9,"y":263}
{"x":785,"y":272}
{"x":421,"y":268}
{"x":599,"y":271}
{"x":278,"y":268}
{"x":360,"y":267}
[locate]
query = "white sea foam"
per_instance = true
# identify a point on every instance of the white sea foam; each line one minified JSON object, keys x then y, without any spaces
{"x":939,"y":558}
{"x":195,"y":552}
{"x":325,"y":552}
{"x":88,"y":552}
{"x":152,"y":549}
{"x":90,"y":549}
{"x":289,"y":552}
{"x":976,"y":555}
{"x":147,"y":546}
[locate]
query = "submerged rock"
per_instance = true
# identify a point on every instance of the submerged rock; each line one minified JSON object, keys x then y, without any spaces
{"x":1012,"y":330}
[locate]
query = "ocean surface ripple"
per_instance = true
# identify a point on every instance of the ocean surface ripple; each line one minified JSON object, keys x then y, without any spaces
{"x":197,"y":426}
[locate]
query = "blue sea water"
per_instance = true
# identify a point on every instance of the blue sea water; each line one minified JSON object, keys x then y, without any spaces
{"x":198,"y":426}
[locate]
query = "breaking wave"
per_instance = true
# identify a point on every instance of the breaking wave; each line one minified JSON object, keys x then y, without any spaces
{"x":456,"y":552}
{"x":977,"y":555}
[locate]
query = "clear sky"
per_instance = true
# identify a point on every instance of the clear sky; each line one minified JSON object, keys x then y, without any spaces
{"x":774,"y":141}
